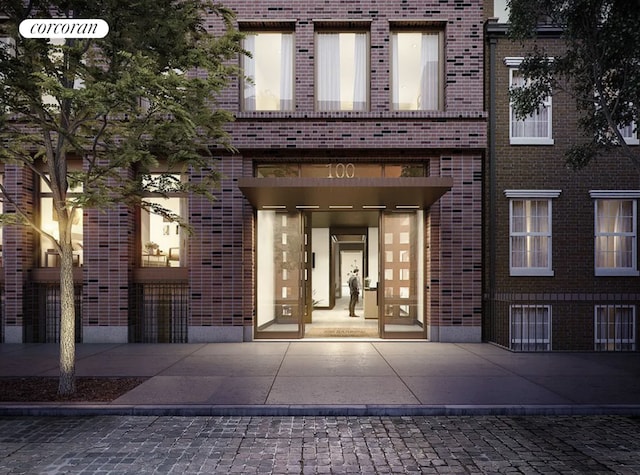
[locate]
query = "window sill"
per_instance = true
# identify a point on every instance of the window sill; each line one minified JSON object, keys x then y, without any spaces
{"x":530,"y":141}
{"x":531,"y":273}
{"x":617,"y":273}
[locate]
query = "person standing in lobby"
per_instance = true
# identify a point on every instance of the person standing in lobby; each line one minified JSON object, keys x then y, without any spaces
{"x":354,"y":288}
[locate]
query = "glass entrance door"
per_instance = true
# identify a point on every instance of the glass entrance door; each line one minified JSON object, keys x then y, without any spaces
{"x":282,"y":274}
{"x":401,"y":294}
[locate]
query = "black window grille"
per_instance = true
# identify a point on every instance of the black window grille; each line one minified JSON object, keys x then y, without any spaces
{"x":42,"y":310}
{"x":159,"y":313}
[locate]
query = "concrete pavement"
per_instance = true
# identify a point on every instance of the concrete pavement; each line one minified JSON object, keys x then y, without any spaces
{"x":338,"y":377}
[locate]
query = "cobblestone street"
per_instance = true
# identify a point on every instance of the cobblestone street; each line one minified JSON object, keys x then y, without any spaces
{"x":310,"y":445}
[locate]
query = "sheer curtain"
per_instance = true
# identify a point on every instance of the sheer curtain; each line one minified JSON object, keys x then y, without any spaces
{"x":537,"y":124}
{"x":530,"y":234}
{"x":429,"y":83}
{"x":286,"y":72}
{"x":614,"y":239}
{"x":395,"y":66}
{"x":360,"y":76}
{"x":328,"y":72}
{"x":250,"y":72}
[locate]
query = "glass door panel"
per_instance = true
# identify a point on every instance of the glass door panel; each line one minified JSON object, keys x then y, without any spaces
{"x":280,"y":275}
{"x":401,"y":309}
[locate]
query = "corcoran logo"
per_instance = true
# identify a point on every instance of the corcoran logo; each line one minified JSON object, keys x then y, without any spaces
{"x":64,"y":28}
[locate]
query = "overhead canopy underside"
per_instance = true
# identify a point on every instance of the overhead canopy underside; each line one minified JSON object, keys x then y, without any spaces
{"x":344,"y":193}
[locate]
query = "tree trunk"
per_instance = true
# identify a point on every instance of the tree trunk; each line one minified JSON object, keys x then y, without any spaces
{"x":67,"y":382}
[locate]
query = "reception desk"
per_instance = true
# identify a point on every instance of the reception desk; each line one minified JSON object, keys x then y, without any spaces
{"x":370,"y":303}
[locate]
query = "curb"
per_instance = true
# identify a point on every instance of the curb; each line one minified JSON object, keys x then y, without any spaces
{"x":71,"y":409}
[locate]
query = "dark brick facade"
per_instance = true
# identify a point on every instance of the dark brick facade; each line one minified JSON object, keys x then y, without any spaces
{"x":221,"y":262}
{"x":573,"y":290}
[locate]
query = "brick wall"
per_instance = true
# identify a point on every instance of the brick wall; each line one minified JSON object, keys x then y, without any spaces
{"x":452,"y":140}
{"x":18,"y":250}
{"x":573,"y":290}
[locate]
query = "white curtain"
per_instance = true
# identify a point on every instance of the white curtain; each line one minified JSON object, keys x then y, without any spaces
{"x":286,"y":72}
{"x":537,"y":124}
{"x":614,"y":234}
{"x":395,"y":66}
{"x":360,"y":76}
{"x":250,"y":72}
{"x":328,"y":72}
{"x":429,"y":83}
{"x":530,"y":233}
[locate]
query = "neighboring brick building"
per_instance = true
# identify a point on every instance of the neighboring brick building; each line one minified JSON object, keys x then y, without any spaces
{"x":363,"y":134}
{"x":561,"y":264}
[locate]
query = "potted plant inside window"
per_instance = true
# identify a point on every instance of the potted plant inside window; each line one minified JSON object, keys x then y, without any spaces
{"x":151,"y":247}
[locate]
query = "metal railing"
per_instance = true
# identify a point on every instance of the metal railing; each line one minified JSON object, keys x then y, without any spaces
{"x":159,"y":312}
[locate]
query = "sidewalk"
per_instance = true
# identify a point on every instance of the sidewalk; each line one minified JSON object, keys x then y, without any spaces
{"x":339,"y":378}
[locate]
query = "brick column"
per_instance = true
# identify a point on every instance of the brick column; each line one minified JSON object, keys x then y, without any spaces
{"x":18,"y":251}
{"x":108,"y":261}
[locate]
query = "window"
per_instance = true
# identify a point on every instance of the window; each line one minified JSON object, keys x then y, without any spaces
{"x":615,"y":328}
{"x":269,"y":72}
{"x":342,"y":78}
{"x":530,"y":327}
{"x":416,"y":70}
{"x":163,"y":239}
{"x":630,"y":134}
{"x":534,"y":129}
{"x":530,"y":234}
{"x":615,"y":237}
{"x":49,"y":256}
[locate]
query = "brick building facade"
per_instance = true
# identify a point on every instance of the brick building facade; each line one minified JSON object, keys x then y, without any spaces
{"x":467,"y":226}
{"x":361,"y":162}
{"x":570,"y":299}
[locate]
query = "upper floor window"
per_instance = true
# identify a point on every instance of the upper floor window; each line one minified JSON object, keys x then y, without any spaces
{"x":268,"y":85}
{"x":530,"y":232}
{"x":342,"y":79}
{"x":630,"y":134}
{"x":417,"y":70}
{"x":615,"y":236}
{"x":536,"y":128}
{"x":163,"y":239}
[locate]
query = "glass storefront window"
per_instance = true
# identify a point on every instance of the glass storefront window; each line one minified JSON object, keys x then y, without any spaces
{"x":49,"y":256}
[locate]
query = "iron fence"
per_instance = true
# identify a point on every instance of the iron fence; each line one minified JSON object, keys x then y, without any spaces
{"x":159,"y":313}
{"x":42,"y":312}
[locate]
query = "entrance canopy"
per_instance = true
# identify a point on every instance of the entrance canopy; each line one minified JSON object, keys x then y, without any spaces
{"x":344,"y":193}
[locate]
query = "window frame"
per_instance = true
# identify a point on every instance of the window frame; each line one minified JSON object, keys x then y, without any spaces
{"x":615,"y":271}
{"x":546,"y":342}
{"x":182,"y":252}
{"x":396,"y":29}
{"x":603,"y":344}
{"x":45,"y":193}
{"x":633,"y":139}
{"x":532,"y":195}
{"x":513,"y":64}
{"x":248,"y":31}
{"x":367,"y":67}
